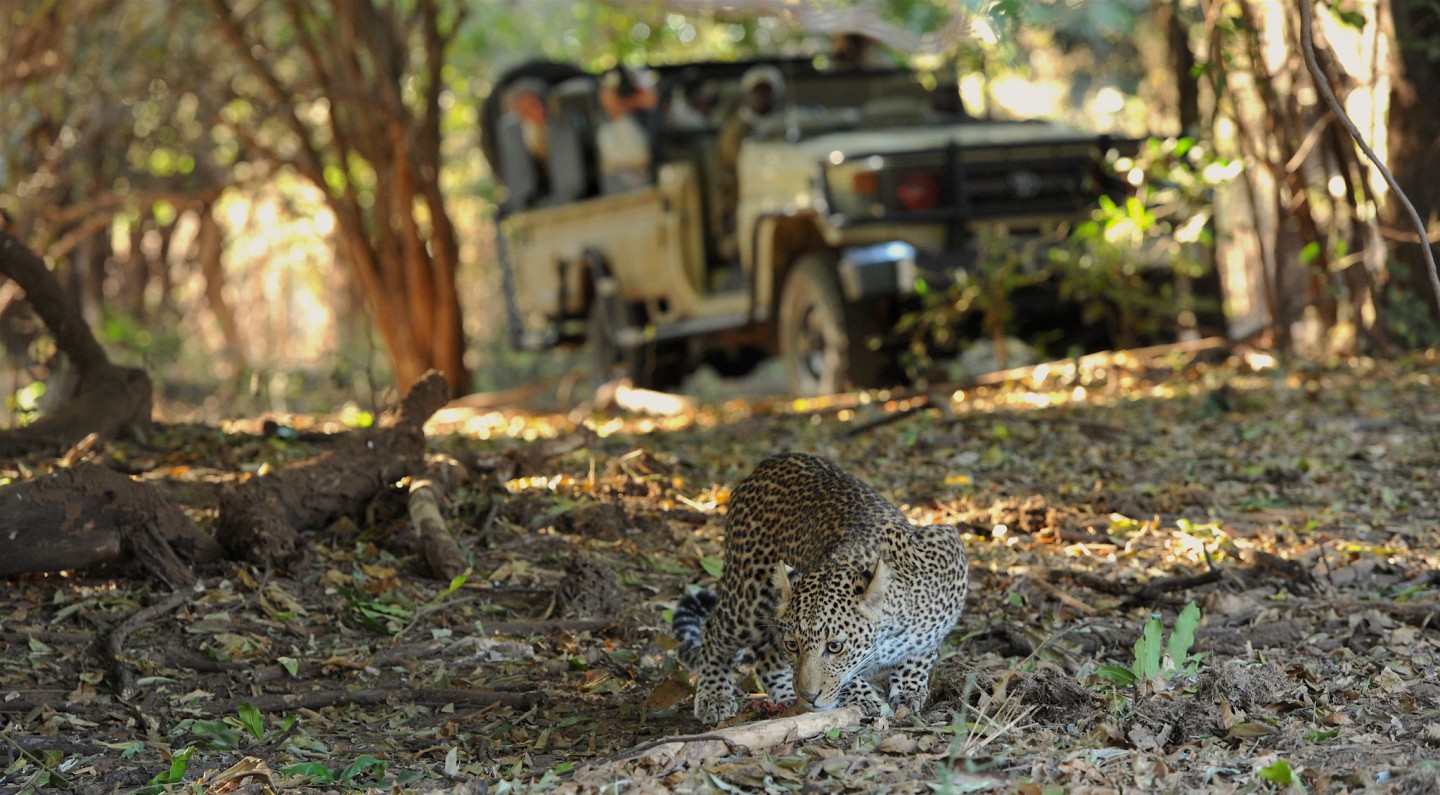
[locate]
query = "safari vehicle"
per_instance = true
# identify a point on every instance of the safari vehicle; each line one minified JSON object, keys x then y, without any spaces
{"x":854,"y":187}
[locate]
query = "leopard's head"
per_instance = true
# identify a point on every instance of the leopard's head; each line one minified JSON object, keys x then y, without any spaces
{"x":829,"y":621}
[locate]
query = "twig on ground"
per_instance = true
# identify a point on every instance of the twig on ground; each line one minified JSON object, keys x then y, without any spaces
{"x":1291,"y":570}
{"x":1060,"y":595}
{"x":1137,"y":594}
{"x":1092,"y":581}
{"x":886,"y":419}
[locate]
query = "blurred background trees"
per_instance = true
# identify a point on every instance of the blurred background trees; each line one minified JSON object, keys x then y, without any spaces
{"x":259,"y":201}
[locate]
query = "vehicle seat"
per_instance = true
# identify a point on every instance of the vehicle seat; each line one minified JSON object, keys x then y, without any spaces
{"x":570,"y":114}
{"x":517,"y":167}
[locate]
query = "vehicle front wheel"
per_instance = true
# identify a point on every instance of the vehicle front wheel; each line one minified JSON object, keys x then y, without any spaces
{"x":824,"y":341}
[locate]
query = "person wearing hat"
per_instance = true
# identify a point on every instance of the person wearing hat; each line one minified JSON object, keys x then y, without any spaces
{"x":621,"y":140}
{"x":761,"y":88}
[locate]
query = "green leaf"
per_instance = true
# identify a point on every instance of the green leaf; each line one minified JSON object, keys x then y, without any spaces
{"x":713,"y":566}
{"x":455,"y":584}
{"x":1183,"y":636}
{"x":1354,"y":19}
{"x":1278,"y":772}
{"x":1118,"y":674}
{"x":1147,"y":650}
{"x":1322,"y":736}
{"x":178,"y":764}
{"x":360,"y":766}
{"x":291,"y":666}
{"x":1309,"y":253}
{"x":252,"y":720}
{"x":216,"y":734}
{"x":314,"y":770}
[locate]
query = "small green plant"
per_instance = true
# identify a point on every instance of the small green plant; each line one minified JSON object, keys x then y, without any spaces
{"x":320,"y":774}
{"x":1279,"y":772}
{"x":179,"y":763}
{"x":223,"y":735}
{"x":1157,"y":661}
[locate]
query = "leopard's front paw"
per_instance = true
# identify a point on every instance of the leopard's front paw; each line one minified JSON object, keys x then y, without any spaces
{"x":711,"y":707}
{"x":861,"y":694}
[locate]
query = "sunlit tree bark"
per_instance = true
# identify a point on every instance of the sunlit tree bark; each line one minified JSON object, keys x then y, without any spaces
{"x":1413,"y":133}
{"x":348,"y":94}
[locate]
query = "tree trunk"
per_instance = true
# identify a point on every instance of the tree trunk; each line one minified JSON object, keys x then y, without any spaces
{"x":380,"y":66}
{"x":1168,"y":14}
{"x":209,"y":246}
{"x":1413,"y":133}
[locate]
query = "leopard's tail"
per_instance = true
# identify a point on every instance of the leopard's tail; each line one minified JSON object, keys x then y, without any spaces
{"x":690,"y":613}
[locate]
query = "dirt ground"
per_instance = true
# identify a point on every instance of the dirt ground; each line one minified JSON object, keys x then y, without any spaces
{"x":1297,"y":507}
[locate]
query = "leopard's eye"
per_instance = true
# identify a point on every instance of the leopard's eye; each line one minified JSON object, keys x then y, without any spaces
{"x":791,"y":647}
{"x":835,"y":646}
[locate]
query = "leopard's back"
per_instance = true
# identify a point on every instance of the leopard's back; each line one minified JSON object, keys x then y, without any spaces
{"x":798,"y":508}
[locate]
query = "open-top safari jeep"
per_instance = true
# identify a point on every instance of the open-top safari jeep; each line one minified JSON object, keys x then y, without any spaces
{"x":852,"y":189}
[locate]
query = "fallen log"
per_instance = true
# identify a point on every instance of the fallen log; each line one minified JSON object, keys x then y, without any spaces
{"x":260,"y":519}
{"x":86,"y":516}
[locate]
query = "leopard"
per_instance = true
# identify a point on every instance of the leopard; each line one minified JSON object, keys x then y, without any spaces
{"x":826,"y":586}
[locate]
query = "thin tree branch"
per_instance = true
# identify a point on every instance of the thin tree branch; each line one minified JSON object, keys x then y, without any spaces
{"x":1307,"y":45}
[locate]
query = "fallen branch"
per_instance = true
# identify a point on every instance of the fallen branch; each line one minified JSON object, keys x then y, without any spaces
{"x":670,"y":752}
{"x":260,"y":518}
{"x":1092,"y":581}
{"x":122,"y":673}
{"x":1137,"y":594}
{"x":1061,"y":596}
{"x":281,"y":702}
{"x":1148,"y":592}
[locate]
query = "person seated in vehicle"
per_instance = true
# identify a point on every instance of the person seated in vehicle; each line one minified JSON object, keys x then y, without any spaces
{"x":621,"y":140}
{"x":693,"y":104}
{"x":523,"y":141}
{"x":761,"y":88}
{"x":858,"y":51}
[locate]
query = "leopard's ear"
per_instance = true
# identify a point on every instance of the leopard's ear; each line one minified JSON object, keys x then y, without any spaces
{"x":780,"y":581}
{"x":873,"y":599}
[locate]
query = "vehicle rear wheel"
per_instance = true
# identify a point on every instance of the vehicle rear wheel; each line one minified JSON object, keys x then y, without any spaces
{"x":824,"y":341}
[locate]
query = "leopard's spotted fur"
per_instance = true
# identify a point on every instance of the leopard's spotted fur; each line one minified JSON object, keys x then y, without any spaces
{"x":870,"y":592}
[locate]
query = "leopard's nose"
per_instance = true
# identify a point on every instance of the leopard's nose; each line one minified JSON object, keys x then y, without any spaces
{"x":809,"y":698}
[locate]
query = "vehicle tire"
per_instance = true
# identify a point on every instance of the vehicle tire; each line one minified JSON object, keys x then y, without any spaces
{"x":824,"y":341}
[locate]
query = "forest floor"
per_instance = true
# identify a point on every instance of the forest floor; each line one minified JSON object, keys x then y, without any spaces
{"x":1297,"y":507}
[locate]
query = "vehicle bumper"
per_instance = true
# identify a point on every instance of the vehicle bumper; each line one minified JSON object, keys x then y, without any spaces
{"x":893,"y":268}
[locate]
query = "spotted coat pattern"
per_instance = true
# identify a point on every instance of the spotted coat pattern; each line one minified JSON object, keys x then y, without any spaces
{"x":828,"y":586}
